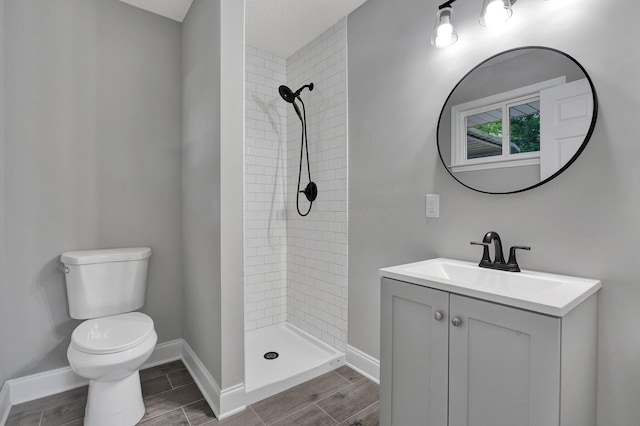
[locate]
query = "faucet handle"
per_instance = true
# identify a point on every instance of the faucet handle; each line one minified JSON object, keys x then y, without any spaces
{"x":485,"y":252}
{"x":512,"y":262}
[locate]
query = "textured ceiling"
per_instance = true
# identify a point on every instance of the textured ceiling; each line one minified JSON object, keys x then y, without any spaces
{"x":282,"y":27}
{"x":173,"y":9}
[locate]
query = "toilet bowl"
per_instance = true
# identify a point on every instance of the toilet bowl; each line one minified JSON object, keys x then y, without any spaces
{"x":105,"y":287}
{"x":109,"y":351}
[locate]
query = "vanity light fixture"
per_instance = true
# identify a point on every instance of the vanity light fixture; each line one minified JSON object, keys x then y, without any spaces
{"x":444,"y":33}
{"x":495,"y":12}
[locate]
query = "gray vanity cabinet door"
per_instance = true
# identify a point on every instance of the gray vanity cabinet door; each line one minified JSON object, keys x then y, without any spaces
{"x":413,"y":355}
{"x":504,"y":366}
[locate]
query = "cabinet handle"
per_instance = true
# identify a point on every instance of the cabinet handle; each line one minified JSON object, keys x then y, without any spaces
{"x":438,"y":316}
{"x":457,"y":322}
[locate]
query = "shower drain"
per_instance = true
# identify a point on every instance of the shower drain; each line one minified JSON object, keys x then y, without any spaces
{"x":271,"y":355}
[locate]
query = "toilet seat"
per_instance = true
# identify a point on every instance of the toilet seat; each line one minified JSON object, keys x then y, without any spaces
{"x":112,"y":334}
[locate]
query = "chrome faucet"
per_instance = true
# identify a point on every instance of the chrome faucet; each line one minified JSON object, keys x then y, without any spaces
{"x":498,"y":258}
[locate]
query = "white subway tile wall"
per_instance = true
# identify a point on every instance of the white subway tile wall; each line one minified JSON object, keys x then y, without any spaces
{"x":296,"y":267}
{"x":265,"y":185}
{"x":317,"y":243}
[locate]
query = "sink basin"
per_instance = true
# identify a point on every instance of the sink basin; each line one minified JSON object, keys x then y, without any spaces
{"x":482,"y":278}
{"x":536,"y":291}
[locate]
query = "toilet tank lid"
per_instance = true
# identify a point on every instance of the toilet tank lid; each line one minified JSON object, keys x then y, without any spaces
{"x":86,"y":257}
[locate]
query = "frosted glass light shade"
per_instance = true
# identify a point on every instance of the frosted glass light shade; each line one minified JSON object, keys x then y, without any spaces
{"x":495,"y":12}
{"x":444,"y":33}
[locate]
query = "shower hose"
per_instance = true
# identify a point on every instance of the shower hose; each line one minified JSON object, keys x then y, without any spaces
{"x":304,"y":146}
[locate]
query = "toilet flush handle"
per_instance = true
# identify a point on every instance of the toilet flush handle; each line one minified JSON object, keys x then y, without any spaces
{"x":63,"y":268}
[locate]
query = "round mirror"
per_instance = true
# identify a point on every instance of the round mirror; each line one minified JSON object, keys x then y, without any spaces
{"x":517,"y":120}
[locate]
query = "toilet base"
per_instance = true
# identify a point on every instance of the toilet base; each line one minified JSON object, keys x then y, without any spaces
{"x":114,"y":403}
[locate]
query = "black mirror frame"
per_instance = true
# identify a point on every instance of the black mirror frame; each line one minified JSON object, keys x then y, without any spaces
{"x":563,"y":168}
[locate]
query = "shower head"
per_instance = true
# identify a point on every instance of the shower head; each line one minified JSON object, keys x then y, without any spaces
{"x":289,"y":95}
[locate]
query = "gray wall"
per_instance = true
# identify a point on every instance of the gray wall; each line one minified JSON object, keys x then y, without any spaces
{"x":201,"y":182}
{"x":92,"y":160}
{"x":583,"y":223}
{"x":212,"y":172}
{"x":4,"y":320}
{"x":231,"y":197}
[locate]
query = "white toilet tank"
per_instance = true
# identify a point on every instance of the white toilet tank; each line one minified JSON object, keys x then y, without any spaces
{"x":105,"y":282}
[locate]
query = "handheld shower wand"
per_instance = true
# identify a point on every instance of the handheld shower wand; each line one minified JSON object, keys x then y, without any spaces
{"x":289,"y":95}
{"x":311,"y":190}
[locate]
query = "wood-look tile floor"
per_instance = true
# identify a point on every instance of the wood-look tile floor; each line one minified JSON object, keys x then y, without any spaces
{"x":341,"y":397}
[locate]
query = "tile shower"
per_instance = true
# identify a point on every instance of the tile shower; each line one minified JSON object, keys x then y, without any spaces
{"x":296,"y":267}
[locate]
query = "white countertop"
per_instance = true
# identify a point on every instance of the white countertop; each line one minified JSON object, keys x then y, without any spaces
{"x":549,"y":294}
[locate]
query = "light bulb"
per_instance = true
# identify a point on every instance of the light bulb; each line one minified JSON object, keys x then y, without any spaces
{"x":444,"y":33}
{"x":495,"y":13}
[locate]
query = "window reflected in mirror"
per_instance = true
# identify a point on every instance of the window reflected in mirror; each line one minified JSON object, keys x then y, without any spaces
{"x":484,"y":134}
{"x":516,"y":120}
{"x":524,"y":127}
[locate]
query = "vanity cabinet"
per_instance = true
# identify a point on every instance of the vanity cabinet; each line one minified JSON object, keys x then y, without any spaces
{"x":450,"y":359}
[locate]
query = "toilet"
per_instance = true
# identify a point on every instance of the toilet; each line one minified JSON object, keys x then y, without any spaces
{"x":105,"y":288}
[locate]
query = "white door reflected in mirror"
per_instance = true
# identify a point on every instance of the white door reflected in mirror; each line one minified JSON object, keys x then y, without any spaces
{"x":564,"y":124}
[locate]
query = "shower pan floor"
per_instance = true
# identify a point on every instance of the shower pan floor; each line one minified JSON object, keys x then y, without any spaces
{"x":300,"y":357}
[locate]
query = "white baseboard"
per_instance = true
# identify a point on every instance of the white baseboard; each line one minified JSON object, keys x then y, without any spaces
{"x":50,"y":382}
{"x":165,"y":352}
{"x":363,"y":363}
{"x":232,"y":401}
{"x":206,"y":383}
{"x":35,"y":386}
{"x":43,"y":384}
{"x":5,"y":403}
{"x":224,"y":403}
